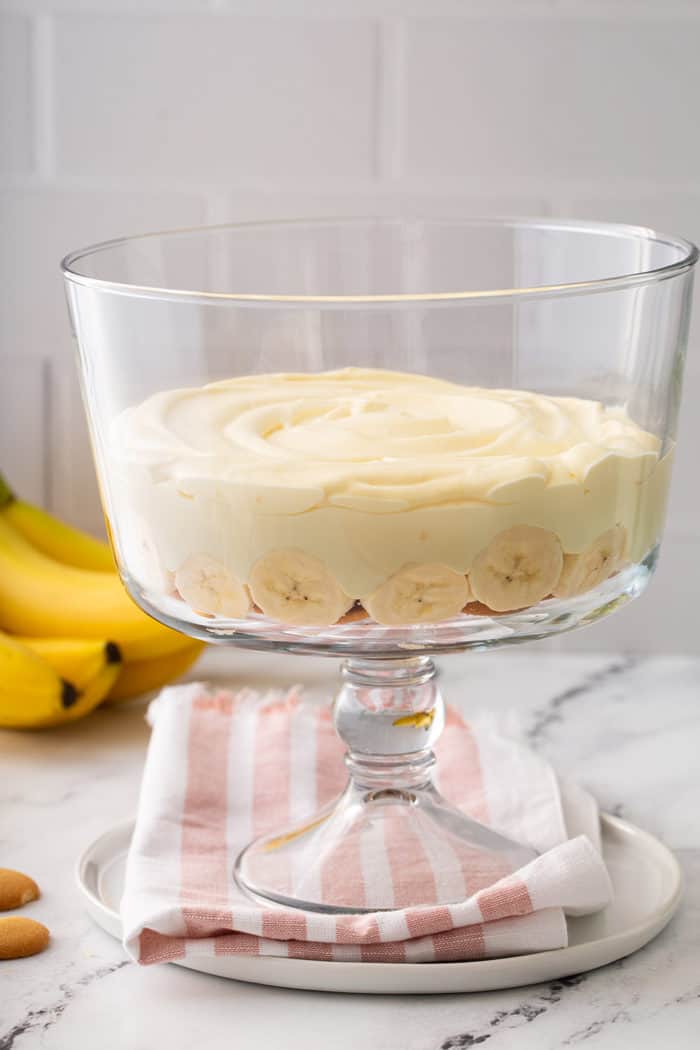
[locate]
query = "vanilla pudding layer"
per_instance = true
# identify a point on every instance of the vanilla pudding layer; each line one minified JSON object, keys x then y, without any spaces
{"x":369,"y":471}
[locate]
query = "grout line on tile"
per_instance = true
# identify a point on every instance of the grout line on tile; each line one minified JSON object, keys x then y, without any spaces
{"x":390,"y":90}
{"x":42,"y":78}
{"x":436,"y":185}
{"x":455,"y":10}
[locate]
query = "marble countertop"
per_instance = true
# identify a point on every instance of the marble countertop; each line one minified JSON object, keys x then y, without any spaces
{"x":627,"y":727}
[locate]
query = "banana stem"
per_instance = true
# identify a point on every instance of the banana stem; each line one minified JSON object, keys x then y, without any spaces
{"x":6,"y":493}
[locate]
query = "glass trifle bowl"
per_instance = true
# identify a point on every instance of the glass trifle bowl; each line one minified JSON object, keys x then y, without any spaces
{"x":381,"y":440}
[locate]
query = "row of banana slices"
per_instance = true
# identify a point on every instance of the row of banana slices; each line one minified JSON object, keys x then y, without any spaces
{"x":519,"y":567}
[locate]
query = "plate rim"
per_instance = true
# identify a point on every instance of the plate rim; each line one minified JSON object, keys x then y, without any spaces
{"x":657,"y":920}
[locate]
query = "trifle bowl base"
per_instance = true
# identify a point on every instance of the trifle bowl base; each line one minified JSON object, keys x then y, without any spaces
{"x":391,"y":840}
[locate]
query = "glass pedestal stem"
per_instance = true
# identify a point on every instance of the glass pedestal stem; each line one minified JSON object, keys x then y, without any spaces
{"x":382,"y":844}
{"x":389,"y":713}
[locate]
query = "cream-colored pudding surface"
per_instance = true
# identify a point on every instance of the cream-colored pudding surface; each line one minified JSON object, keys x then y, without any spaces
{"x":370,"y":470}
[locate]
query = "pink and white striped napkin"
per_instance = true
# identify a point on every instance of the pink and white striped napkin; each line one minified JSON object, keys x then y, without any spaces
{"x":223,"y":767}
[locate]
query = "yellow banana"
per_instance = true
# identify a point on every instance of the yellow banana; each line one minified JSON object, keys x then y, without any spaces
{"x":39,"y":597}
{"x":90,"y":696}
{"x":143,"y":676}
{"x":30,"y":689}
{"x":77,"y":659}
{"x":52,"y":536}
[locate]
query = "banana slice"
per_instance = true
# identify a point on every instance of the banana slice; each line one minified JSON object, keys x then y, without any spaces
{"x":584,"y":571}
{"x":519,"y":567}
{"x":419,"y":594}
{"x":297,"y":588}
{"x":208,"y":587}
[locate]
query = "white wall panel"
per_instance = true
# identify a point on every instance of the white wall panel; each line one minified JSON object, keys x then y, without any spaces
{"x":24,"y":424}
{"x":16,"y":91}
{"x":214,"y":98}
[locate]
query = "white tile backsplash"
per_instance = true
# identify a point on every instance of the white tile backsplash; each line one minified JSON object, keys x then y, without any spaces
{"x":215,"y":98}
{"x":551,"y":97}
{"x":389,"y":201}
{"x":24,"y":424}
{"x":40,"y":226}
{"x":668,"y":210}
{"x":16,"y":91}
{"x":120,"y":116}
{"x":72,"y":478}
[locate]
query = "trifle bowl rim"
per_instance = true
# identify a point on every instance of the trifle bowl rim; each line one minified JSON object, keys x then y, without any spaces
{"x":688,"y":257}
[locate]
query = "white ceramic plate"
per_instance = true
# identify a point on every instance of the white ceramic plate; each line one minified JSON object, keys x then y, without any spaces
{"x":645,"y":876}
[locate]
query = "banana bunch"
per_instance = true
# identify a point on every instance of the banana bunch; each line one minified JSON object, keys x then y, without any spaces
{"x":70,"y":636}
